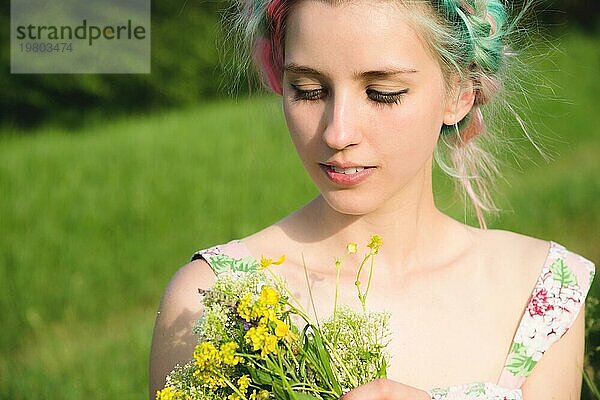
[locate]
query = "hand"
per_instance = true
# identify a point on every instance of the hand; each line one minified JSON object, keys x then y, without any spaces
{"x":385,"y":389}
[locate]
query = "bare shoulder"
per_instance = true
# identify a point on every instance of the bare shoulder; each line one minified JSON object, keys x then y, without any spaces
{"x":521,"y":243}
{"x":182,"y":293}
{"x":268,"y":241}
{"x":516,"y":259}
{"x":173,"y":341}
{"x":515,"y":243}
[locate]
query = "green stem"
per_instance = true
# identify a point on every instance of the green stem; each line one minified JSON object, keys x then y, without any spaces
{"x":301,"y":311}
{"x":591,"y":385}
{"x":312,"y":302}
{"x":290,"y":351}
{"x":337,"y":285}
{"x":357,"y":283}
{"x":232,"y":386}
{"x":339,"y":362}
{"x":284,"y":379}
{"x":311,"y":388}
{"x":369,"y":282}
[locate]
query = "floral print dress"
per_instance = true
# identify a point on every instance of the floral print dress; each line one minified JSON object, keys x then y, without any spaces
{"x":558,"y":296}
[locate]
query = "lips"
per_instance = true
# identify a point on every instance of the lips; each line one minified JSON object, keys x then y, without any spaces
{"x":349,"y":176}
{"x":346,"y":171}
{"x":346,"y":168}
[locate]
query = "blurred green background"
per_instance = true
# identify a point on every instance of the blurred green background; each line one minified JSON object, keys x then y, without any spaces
{"x":108,"y":183}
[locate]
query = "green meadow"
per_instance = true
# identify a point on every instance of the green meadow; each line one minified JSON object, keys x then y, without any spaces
{"x":94,"y":221}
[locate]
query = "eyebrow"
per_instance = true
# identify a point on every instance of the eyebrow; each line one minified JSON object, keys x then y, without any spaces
{"x":360,"y":75}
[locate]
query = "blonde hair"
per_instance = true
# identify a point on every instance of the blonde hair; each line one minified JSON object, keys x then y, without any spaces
{"x":469,"y":39}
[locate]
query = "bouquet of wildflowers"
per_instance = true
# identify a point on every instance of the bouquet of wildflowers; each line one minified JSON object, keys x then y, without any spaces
{"x":256,"y":342}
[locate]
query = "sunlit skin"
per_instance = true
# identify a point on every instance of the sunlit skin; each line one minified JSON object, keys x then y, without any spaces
{"x":360,"y":87}
{"x":347,"y":118}
{"x":354,"y":114}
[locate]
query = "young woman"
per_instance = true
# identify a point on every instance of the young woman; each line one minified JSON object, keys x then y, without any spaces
{"x":373,"y":93}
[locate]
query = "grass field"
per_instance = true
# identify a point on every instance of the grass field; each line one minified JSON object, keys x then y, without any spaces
{"x":94,"y":222}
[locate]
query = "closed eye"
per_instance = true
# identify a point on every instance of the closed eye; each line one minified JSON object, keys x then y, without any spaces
{"x":379,"y":98}
{"x":389,"y":98}
{"x":307,"y":95}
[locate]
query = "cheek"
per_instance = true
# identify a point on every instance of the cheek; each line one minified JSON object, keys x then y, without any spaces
{"x":303,"y":121}
{"x":412,"y":130}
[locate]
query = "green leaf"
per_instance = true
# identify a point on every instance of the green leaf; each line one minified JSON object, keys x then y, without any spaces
{"x":382,"y":370}
{"x":280,"y":393}
{"x":305,"y":396}
{"x":518,"y":348}
{"x":476,"y":389}
{"x":563,"y":274}
{"x":521,"y":365}
{"x":440,"y":391}
{"x":244,"y":265}
{"x":325,"y":359}
{"x":260,"y":377}
{"x":221,"y":263}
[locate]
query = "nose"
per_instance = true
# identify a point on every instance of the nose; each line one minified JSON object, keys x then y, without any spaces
{"x":342,"y":121}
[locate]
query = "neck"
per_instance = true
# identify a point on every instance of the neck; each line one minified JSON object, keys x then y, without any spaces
{"x":415,"y":233}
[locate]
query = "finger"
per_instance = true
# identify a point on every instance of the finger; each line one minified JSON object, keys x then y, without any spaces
{"x":385,"y":389}
{"x":379,"y":389}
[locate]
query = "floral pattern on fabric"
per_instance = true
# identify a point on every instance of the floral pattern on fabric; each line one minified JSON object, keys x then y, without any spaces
{"x":553,"y":306}
{"x":476,"y":390}
{"x":220,"y":262}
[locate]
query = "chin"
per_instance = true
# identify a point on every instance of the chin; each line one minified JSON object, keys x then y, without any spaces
{"x":350,"y":202}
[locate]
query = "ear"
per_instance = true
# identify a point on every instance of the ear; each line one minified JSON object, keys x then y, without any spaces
{"x":460,"y":102}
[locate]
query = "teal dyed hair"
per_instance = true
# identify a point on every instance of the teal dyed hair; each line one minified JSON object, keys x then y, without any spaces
{"x":480,"y":28}
{"x":467,"y":37}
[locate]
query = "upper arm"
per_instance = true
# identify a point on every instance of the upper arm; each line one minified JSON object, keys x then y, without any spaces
{"x":558,"y":374}
{"x":173,"y":341}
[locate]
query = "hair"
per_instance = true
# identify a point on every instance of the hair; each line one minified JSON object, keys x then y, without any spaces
{"x":469,"y":38}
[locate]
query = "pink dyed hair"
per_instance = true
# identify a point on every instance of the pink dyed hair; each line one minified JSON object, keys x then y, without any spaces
{"x":269,"y":52}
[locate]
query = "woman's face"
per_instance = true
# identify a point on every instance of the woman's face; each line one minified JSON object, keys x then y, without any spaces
{"x":360,"y":89}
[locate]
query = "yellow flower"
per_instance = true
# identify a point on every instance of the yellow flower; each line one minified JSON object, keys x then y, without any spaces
{"x":261,"y":312}
{"x":243,"y":308}
{"x":227,"y":353}
{"x":265,"y":262}
{"x":375,"y":243}
{"x":351,"y":248}
{"x":167,"y":394}
{"x":268,"y":316}
{"x":206,"y":355}
{"x":208,"y":361}
{"x":269,"y":296}
{"x":256,"y":337}
{"x":270,"y":346}
{"x":209,"y":380}
{"x":243,"y":383}
{"x":281,"y":329}
{"x":260,"y":339}
{"x":262,"y":395}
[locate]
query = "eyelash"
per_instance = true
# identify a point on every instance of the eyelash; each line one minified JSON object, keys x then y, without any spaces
{"x":379,"y":98}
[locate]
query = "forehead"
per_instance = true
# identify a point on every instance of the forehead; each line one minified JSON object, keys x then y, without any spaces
{"x":354,"y":36}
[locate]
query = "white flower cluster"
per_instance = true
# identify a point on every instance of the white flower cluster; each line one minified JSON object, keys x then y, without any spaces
{"x":359,"y":340}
